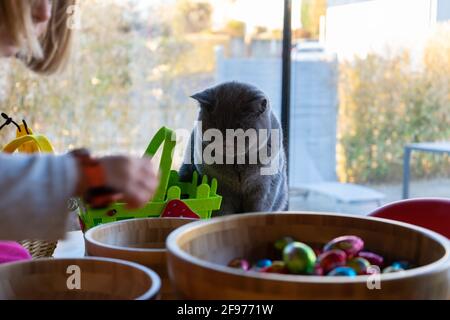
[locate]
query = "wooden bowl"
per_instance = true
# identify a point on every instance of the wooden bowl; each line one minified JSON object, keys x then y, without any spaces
{"x":99,"y":279}
{"x":198,"y":255}
{"x":138,"y":240}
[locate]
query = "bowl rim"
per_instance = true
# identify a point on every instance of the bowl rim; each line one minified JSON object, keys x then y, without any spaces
{"x":151,"y":293}
{"x":442,"y":263}
{"x":90,"y":239}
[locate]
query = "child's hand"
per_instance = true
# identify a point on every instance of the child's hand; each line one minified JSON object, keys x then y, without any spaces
{"x":136,"y":179}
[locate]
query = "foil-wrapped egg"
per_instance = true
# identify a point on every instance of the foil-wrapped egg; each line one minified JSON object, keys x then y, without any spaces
{"x":401,"y":264}
{"x":393,"y":268}
{"x":263,"y":263}
{"x":280,"y":244}
{"x":332,"y":259}
{"x":276,"y":267}
{"x":373,"y":258}
{"x":299,"y":258}
{"x":239,"y":263}
{"x":318,"y":270}
{"x":360,"y":265}
{"x":351,"y":245}
{"x":342,"y":271}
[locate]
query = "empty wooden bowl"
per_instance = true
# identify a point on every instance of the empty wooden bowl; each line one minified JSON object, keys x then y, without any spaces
{"x":138,"y":240}
{"x":198,"y":255}
{"x":78,"y":279}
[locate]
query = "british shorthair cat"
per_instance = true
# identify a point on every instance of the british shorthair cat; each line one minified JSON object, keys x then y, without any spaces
{"x":252,"y":173}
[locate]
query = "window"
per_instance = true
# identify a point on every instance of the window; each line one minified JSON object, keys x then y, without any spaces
{"x":368,"y":78}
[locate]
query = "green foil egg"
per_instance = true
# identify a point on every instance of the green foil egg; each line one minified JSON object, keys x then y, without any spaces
{"x":360,"y":265}
{"x":299,"y":258}
{"x":280,"y":244}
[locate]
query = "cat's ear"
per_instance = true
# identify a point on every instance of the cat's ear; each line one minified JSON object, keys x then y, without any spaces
{"x":204,"y":98}
{"x":261,"y":105}
{"x":264,"y":104}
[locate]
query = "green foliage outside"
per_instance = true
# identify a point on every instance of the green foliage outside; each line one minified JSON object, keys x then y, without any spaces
{"x":386,"y":103}
{"x":311,"y":11}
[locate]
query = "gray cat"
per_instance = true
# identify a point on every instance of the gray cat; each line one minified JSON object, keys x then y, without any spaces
{"x":244,"y":187}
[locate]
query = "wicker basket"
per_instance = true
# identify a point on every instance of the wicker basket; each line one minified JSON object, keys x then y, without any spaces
{"x":39,"y":249}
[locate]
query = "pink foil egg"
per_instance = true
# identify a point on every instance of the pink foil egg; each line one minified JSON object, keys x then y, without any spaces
{"x":351,"y":245}
{"x":239,"y":263}
{"x":373,"y":258}
{"x":318,"y":270}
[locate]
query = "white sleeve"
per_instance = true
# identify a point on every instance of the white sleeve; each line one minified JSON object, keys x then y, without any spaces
{"x":34,"y":194}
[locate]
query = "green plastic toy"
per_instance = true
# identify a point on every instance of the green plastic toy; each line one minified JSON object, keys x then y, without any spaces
{"x":173,"y":198}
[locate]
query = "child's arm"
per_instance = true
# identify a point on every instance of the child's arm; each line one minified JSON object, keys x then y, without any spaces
{"x":34,"y":194}
{"x":34,"y":191}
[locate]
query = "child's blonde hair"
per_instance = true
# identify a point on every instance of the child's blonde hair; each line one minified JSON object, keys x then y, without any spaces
{"x":45,"y":54}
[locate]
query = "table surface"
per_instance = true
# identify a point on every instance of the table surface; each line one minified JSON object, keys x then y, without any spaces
{"x":70,"y":247}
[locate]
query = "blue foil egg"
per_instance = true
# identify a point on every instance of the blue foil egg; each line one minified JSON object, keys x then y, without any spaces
{"x":401,"y":264}
{"x":393,"y":268}
{"x":263,"y":263}
{"x":342,"y":271}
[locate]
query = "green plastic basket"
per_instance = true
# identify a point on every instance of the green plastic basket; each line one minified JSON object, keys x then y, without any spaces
{"x":195,"y":199}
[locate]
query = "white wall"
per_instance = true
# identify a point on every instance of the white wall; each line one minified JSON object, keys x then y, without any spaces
{"x":362,"y":27}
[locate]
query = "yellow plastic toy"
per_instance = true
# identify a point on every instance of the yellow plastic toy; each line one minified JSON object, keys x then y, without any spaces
{"x":27,"y":142}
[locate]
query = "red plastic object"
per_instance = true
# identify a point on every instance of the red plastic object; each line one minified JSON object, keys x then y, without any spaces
{"x":430,"y":213}
{"x":178,"y":209}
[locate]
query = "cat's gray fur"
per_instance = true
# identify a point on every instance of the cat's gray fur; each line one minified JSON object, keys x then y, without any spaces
{"x":235,"y":105}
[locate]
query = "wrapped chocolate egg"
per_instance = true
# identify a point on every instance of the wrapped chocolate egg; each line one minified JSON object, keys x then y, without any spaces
{"x":239,"y":263}
{"x":373,"y":258}
{"x":276,"y":267}
{"x":401,"y":264}
{"x":351,"y":245}
{"x":263,"y":263}
{"x":318,"y":251}
{"x":360,"y":265}
{"x":395,"y":267}
{"x":283,"y":242}
{"x":342,"y":271}
{"x":299,"y":258}
{"x":318,"y":270}
{"x":332,"y":259}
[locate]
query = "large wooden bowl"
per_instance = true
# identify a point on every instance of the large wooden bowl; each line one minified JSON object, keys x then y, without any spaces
{"x":198,"y":255}
{"x":100,"y":279}
{"x":138,"y":240}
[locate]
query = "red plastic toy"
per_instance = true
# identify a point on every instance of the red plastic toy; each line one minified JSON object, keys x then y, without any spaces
{"x":430,"y":213}
{"x":178,"y":209}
